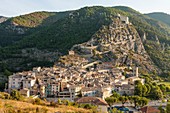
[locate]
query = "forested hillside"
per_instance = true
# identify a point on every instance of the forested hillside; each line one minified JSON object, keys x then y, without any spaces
{"x":160,"y":16}
{"x":16,"y":28}
{"x":58,"y":32}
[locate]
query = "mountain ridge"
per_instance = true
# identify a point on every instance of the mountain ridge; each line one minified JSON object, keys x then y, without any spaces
{"x":81,"y":25}
{"x":160,"y":16}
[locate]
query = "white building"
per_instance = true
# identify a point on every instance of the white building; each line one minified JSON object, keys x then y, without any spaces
{"x":14,"y":81}
{"x":124,"y":19}
{"x":21,"y":80}
{"x":89,"y":92}
{"x":28,"y":83}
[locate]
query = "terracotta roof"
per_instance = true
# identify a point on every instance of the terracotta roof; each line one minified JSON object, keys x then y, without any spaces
{"x":23,"y":91}
{"x":89,"y":89}
{"x":92,"y":100}
{"x":149,"y":109}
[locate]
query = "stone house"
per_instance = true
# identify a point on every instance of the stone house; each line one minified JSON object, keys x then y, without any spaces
{"x":125,"y":89}
{"x":25,"y":92}
{"x":101,"y":104}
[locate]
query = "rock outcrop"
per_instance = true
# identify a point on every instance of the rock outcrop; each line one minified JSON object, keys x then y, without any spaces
{"x":119,"y":43}
{"x":3,"y":19}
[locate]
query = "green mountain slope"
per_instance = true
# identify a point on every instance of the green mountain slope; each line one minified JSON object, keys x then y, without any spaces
{"x":17,"y":28}
{"x":160,"y":16}
{"x":37,"y":19}
{"x":77,"y":28}
{"x":58,"y":32}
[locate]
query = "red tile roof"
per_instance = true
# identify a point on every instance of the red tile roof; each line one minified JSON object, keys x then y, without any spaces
{"x":92,"y":100}
{"x":149,"y":109}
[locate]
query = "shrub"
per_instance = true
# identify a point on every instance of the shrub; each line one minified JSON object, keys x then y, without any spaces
{"x":73,"y":104}
{"x":86,"y":106}
{"x":66,"y":102}
{"x":4,"y":95}
{"x":7,"y":96}
{"x":59,"y":101}
{"x":15,"y":95}
{"x":53,"y":104}
{"x":38,"y":101}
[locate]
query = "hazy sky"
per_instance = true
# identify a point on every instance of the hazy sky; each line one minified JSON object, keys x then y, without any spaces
{"x":17,"y":7}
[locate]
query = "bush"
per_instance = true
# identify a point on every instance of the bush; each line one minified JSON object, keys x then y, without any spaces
{"x":15,"y":95}
{"x":86,"y":106}
{"x":4,"y":95}
{"x":59,"y":101}
{"x":74,"y":104}
{"x":53,"y":104}
{"x":66,"y":102}
{"x":7,"y":96}
{"x":38,"y":101}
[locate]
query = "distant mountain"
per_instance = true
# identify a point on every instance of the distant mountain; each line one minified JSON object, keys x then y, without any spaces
{"x":160,"y":16}
{"x":34,"y":39}
{"x":127,"y":9}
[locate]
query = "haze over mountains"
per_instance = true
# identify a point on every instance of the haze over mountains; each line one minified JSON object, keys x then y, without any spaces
{"x":40,"y":38}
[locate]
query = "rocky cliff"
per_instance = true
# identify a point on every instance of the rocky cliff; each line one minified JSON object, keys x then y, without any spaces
{"x":119,"y":43}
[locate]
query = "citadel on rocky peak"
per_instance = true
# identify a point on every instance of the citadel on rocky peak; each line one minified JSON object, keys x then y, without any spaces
{"x":91,"y":55}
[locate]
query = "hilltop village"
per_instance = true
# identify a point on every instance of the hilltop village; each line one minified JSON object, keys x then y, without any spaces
{"x":69,"y":79}
{"x":94,"y":69}
{"x":73,"y":77}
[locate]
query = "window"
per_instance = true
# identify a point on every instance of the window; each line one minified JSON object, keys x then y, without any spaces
{"x":13,"y":86}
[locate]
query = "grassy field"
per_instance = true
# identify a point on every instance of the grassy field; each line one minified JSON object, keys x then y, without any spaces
{"x":11,"y":106}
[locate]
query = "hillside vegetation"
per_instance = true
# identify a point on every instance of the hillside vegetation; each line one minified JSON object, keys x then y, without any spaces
{"x":160,"y":16}
{"x":13,"y":106}
{"x":16,"y":103}
{"x":37,"y":19}
{"x":60,"y":31}
{"x":16,"y":28}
